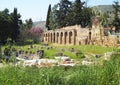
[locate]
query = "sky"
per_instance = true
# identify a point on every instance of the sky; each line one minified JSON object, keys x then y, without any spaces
{"x":37,"y":9}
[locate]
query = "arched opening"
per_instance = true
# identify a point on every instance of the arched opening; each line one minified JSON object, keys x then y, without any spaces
{"x":53,"y":37}
{"x":61,"y":36}
{"x":89,"y":35}
{"x":79,"y":42}
{"x":70,"y":37}
{"x":57,"y":37}
{"x":65,"y":41}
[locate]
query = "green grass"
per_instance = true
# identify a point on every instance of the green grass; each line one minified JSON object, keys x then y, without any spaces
{"x":85,"y":49}
{"x":106,"y":74}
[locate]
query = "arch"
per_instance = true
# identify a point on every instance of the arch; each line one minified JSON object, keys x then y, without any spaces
{"x":53,"y":37}
{"x":90,"y":35}
{"x":57,"y":37}
{"x":65,"y":39}
{"x":70,"y":37}
{"x":61,"y":37}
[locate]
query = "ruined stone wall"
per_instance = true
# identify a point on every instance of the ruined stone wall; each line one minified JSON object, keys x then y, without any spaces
{"x":61,"y":36}
{"x":75,"y":35}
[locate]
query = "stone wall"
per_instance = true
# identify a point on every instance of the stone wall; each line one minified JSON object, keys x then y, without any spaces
{"x":76,"y":35}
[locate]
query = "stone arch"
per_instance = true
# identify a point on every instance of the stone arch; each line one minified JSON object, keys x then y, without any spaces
{"x":70,"y":37}
{"x":90,"y":35}
{"x":79,"y":42}
{"x":65,"y":37}
{"x":57,"y":37}
{"x":61,"y":37}
{"x":54,"y":37}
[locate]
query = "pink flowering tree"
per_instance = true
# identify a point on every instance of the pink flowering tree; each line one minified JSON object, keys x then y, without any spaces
{"x":35,"y":34}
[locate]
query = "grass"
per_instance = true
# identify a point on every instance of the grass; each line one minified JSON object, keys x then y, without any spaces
{"x":85,"y":49}
{"x":106,"y":74}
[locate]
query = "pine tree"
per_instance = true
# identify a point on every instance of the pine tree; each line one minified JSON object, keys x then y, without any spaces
{"x":77,"y":12}
{"x":48,"y":16}
{"x":61,"y":13}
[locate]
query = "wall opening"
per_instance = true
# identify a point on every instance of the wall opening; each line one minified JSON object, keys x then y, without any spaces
{"x":70,"y":37}
{"x":65,"y":41}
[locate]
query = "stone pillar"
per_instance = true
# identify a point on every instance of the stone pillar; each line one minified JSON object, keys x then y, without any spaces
{"x":48,"y":38}
{"x":67,"y":38}
{"x":56,"y":37}
{"x":73,"y":38}
{"x":51,"y":37}
{"x":59,"y":38}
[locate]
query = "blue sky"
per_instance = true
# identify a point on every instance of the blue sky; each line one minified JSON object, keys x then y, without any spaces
{"x":37,"y":9}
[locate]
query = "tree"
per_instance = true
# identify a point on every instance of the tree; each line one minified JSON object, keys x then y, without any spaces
{"x":53,"y":18}
{"x":24,"y":30}
{"x":104,"y":16}
{"x":29,"y":24}
{"x":5,"y":25}
{"x":66,"y":13}
{"x":116,"y":21}
{"x":81,"y":15}
{"x":77,"y":9}
{"x":48,"y":18}
{"x":86,"y":15}
{"x":35,"y":33}
{"x":61,"y":12}
{"x":15,"y":25}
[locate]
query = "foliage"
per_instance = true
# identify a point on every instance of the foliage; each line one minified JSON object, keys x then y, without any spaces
{"x":53,"y":17}
{"x":28,"y":24}
{"x":48,"y":16}
{"x":66,"y":13}
{"x":24,"y":30}
{"x":116,"y":21}
{"x":9,"y":25}
{"x":35,"y":33}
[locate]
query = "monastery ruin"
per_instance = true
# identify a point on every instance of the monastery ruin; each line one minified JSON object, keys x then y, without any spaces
{"x":76,"y":35}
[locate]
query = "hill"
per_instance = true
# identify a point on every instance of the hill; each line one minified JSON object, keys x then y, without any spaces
{"x":40,"y":24}
{"x":104,"y":8}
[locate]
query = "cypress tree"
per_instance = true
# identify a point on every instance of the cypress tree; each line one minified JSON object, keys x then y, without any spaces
{"x":48,"y":18}
{"x":15,"y":25}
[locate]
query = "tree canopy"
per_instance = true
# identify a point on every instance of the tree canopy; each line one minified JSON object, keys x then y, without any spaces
{"x":67,"y":13}
{"x":116,"y":21}
{"x":9,"y":25}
